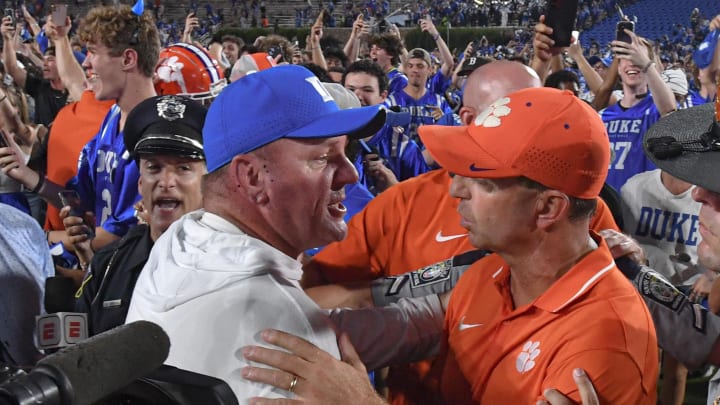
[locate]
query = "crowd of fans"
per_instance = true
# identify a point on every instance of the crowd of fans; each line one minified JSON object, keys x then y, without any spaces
{"x":71,"y":88}
{"x":468,"y":13}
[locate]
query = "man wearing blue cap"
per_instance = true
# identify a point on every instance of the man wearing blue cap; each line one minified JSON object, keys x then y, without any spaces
{"x":220,"y":276}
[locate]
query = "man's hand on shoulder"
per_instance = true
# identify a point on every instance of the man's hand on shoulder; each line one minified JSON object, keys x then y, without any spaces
{"x":311,"y":374}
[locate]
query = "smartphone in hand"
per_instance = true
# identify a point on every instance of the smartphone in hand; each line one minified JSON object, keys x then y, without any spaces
{"x":560,"y":16}
{"x":620,"y":33}
{"x":276,"y":50}
{"x":10,"y":12}
{"x":622,"y":25}
{"x":59,"y":14}
{"x":72,"y":199}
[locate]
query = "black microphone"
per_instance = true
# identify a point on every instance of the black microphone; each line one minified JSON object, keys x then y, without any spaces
{"x":59,"y":294}
{"x":90,"y":370}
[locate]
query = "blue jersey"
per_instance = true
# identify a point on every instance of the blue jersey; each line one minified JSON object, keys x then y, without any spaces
{"x":693,"y":99}
{"x":438,"y":84}
{"x":401,"y":155}
{"x":626,"y":128}
{"x":107,"y":178}
{"x":396,"y":80}
{"x":420,"y":110}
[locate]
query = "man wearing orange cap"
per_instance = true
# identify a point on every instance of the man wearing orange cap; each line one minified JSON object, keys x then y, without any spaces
{"x":551,"y":297}
{"x":415,"y":225}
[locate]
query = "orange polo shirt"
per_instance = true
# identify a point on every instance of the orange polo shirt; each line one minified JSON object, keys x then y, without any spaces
{"x":410,"y":225}
{"x":591,"y":318}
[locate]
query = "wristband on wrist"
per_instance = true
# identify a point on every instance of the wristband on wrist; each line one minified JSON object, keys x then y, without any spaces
{"x":435,"y":37}
{"x":647,"y":66}
{"x":40,"y":183}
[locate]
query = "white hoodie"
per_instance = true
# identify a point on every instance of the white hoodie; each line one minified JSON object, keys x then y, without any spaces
{"x":213,"y":289}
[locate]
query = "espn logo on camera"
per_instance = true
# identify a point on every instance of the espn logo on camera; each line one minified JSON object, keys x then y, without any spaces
{"x":61,"y":329}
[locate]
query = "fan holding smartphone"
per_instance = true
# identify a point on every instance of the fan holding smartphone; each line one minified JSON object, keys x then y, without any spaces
{"x":59,"y":14}
{"x":9,"y":24}
{"x":71,"y":198}
{"x":560,"y":16}
{"x":623,"y":25}
{"x":10,"y":12}
{"x":554,"y":32}
{"x":646,"y":98}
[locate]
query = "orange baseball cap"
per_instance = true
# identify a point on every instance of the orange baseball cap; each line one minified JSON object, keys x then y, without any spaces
{"x":251,"y":63}
{"x":544,"y":134}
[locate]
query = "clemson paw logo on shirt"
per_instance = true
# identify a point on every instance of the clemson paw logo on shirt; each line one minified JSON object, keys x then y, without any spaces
{"x":526,"y":359}
{"x":490,"y":117}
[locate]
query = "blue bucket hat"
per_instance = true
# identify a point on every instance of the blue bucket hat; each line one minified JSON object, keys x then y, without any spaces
{"x":286,"y":101}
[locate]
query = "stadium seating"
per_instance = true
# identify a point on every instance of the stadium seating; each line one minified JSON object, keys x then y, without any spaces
{"x":655,"y":18}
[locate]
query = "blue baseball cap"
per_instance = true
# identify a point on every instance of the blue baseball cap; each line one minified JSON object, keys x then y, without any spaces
{"x":286,"y":101}
{"x":703,"y":55}
{"x":593,"y":60}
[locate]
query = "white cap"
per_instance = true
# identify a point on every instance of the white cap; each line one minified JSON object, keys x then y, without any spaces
{"x":676,"y":80}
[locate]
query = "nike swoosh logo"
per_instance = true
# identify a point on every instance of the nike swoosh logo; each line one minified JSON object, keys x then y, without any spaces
{"x":462,"y":326}
{"x":477,"y":169}
{"x":442,"y":238}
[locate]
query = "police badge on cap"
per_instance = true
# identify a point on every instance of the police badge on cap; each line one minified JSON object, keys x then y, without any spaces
{"x":171,"y":108}
{"x":166,"y":125}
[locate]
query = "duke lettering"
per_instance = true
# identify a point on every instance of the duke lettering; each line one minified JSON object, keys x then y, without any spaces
{"x":672,"y":226}
{"x":107,"y":161}
{"x":623,"y":126}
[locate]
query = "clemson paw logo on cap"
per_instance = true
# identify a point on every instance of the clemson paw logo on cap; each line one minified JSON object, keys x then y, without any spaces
{"x":490,"y":117}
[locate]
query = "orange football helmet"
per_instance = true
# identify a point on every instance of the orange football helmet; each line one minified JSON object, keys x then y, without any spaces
{"x":187,"y":70}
